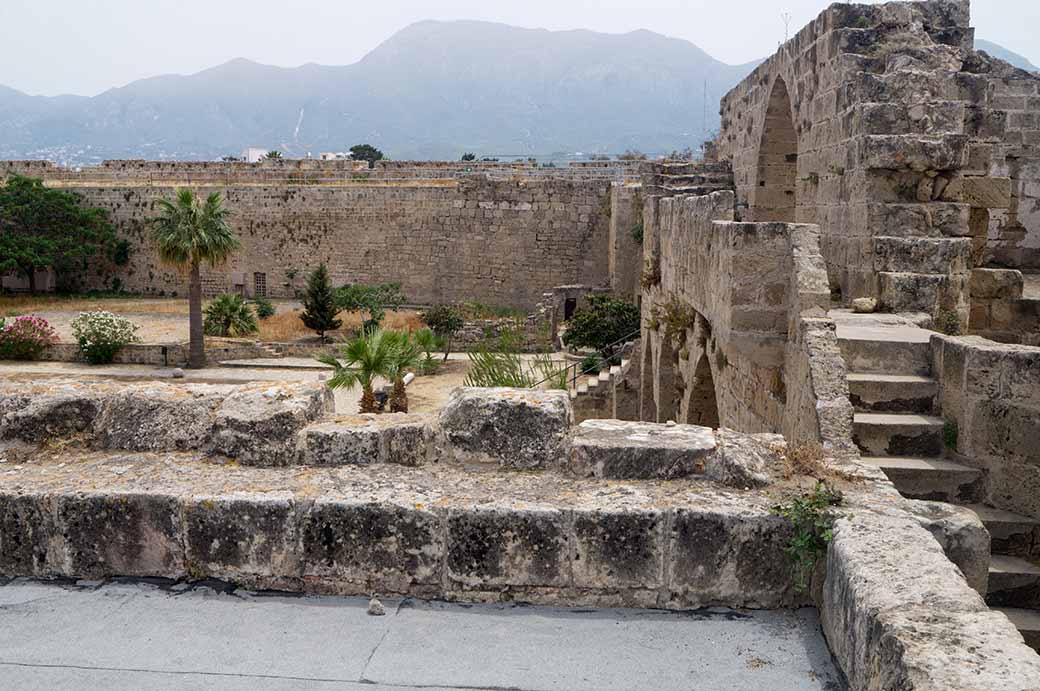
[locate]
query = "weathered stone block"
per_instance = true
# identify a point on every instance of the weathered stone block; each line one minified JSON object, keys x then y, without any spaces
{"x":398,"y":438}
{"x":515,"y":428}
{"x":25,"y":529}
{"x":980,"y":192}
{"x":259,"y":426}
{"x":961,"y":535}
{"x":339,"y":443}
{"x":159,"y":417}
{"x":52,"y":414}
{"x":619,"y":549}
{"x":639,"y":450}
{"x":922,"y":255}
{"x":508,"y":547}
{"x":745,"y":460}
{"x":720,"y":556}
{"x":372,"y":547}
{"x":996,"y":284}
{"x":241,"y":539}
{"x":118,"y":535}
{"x":916,"y":153}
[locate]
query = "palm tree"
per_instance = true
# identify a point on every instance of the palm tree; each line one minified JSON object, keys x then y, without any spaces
{"x":229,"y":315}
{"x":407,"y":355}
{"x":366,"y":357}
{"x":188,"y":232}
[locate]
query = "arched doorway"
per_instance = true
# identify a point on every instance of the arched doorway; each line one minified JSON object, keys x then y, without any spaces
{"x":775,"y":194}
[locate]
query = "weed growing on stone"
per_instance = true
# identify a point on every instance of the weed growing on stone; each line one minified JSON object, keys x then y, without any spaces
{"x":949,"y":434}
{"x":949,"y":323}
{"x":813,"y":529}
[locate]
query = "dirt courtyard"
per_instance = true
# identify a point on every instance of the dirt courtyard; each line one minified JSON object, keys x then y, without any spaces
{"x":165,"y":320}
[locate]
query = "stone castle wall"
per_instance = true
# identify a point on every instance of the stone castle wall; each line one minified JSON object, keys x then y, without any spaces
{"x":915,"y":155}
{"x":500,"y":242}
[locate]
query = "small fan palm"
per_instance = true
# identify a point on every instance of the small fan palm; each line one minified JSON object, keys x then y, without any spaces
{"x":364,"y":358}
{"x":229,"y":315}
{"x":407,"y":355}
{"x":189,"y":232}
{"x":429,"y":342}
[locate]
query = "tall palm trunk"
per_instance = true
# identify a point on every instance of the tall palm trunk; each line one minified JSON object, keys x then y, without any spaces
{"x":196,"y":344}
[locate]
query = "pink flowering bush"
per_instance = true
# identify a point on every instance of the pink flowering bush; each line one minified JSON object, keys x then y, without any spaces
{"x":24,"y":338}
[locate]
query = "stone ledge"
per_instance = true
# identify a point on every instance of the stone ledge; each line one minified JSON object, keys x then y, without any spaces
{"x":438,"y":531}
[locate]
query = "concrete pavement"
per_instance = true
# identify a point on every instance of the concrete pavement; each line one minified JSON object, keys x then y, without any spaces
{"x":133,"y":635}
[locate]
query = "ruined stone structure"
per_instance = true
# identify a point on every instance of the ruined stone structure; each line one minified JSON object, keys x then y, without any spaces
{"x":876,"y":155}
{"x":450,"y":232}
{"x":917,"y":157}
{"x":433,"y":506}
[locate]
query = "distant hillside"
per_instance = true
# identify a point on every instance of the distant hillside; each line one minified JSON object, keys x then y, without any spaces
{"x":1005,"y":55}
{"x":433,"y":90}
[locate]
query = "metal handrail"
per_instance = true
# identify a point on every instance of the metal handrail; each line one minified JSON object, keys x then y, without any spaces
{"x":576,"y":366}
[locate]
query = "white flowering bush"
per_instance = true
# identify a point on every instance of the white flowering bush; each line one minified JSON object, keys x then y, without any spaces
{"x":101,"y":335}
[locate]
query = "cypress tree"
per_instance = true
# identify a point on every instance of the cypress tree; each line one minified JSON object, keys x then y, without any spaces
{"x":319,"y":303}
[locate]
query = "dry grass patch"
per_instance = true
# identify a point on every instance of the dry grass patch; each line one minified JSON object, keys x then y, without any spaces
{"x":28,"y":304}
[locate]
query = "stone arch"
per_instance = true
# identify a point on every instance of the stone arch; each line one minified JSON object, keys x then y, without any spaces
{"x":700,"y":399}
{"x":775,"y":195}
{"x":703,"y":403}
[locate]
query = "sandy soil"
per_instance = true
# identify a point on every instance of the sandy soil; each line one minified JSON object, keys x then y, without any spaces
{"x":166,"y":320}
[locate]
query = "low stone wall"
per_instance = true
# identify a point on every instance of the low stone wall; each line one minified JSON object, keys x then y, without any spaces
{"x":737,"y":333}
{"x":990,"y":395}
{"x":582,"y":525}
{"x":161,"y":354}
{"x":999,"y":311}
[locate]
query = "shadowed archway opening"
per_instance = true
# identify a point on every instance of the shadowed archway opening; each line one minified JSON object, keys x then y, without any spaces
{"x":775,"y":192}
{"x":703,"y":406}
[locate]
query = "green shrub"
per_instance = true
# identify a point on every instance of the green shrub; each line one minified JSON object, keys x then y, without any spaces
{"x":590,"y":364}
{"x":489,"y":368}
{"x":813,"y":529}
{"x":373,"y":299}
{"x":264,"y":307}
{"x":949,"y":323}
{"x":555,"y":374}
{"x":229,"y":315}
{"x":445,"y":321}
{"x":25,"y":338}
{"x":602,"y":324}
{"x":429,"y":342}
{"x":101,"y":335}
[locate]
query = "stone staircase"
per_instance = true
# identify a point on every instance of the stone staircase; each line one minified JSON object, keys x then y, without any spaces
{"x":592,"y":396}
{"x":670,"y":178}
{"x":898,"y":429}
{"x":273,"y":351}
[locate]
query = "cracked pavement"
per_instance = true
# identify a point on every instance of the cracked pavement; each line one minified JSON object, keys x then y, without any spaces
{"x":127,"y":634}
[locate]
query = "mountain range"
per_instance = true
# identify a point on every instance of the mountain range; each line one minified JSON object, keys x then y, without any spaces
{"x":432,"y":91}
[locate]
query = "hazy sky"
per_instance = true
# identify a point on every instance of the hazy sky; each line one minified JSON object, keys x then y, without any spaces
{"x":86,"y":46}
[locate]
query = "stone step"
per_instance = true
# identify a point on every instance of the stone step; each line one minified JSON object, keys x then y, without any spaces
{"x":440,"y":532}
{"x":1010,"y":533}
{"x":898,"y":434}
{"x":933,"y":479}
{"x":1027,"y":621}
{"x":886,"y":349}
{"x":1013,"y":582}
{"x":901,"y":393}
